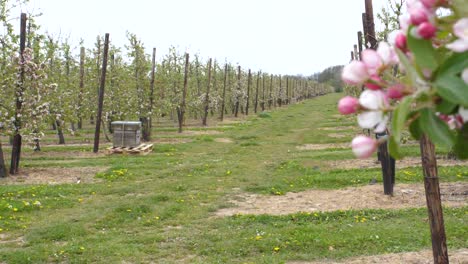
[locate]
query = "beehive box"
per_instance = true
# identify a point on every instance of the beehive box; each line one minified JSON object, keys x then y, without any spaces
{"x":127,"y":134}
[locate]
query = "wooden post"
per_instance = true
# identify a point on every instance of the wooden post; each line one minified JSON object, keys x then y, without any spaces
{"x":434,"y":206}
{"x":181,"y":108}
{"x":153,"y":70}
{"x":387,"y":163}
{"x":356,"y":54}
{"x":270,"y":97}
{"x":207,"y":96}
{"x":359,"y":36}
{"x":249,"y":79}
{"x":280,"y":100}
{"x":223,"y":102}
{"x":352,"y":56}
{"x":364,"y":28}
{"x":370,"y":24}
{"x":3,"y":170}
{"x":263,"y":93}
{"x":238,"y":91}
{"x":81,"y":93}
{"x":17,"y":139}
{"x":256,"y":92}
{"x":101,"y":94}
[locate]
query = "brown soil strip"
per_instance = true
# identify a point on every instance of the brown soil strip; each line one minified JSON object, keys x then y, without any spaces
{"x":403,"y":163}
{"x":223,"y":140}
{"x":53,"y":176}
{"x":353,"y":198}
{"x":459,"y":256}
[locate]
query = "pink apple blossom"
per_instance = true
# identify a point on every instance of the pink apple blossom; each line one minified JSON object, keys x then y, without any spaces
{"x":426,"y":30}
{"x":429,"y":3}
{"x":418,"y":16}
{"x":375,"y":102}
{"x":355,"y":73}
{"x":348,"y":105}
{"x":405,"y":22}
{"x":363,"y":147}
{"x":460,"y":29}
{"x":387,"y":54}
{"x":372,"y":60}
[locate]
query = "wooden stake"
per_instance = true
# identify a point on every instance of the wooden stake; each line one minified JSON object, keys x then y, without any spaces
{"x":364,"y":28}
{"x":207,"y":96}
{"x":80,"y":95}
{"x":101,"y":94}
{"x":17,"y":138}
{"x":224,"y":92}
{"x":238,"y":90}
{"x":181,"y":109}
{"x":263,"y":93}
{"x":151,"y":106}
{"x":370,"y":24}
{"x":256,"y":92}
{"x":249,"y":80}
{"x":359,"y":36}
{"x":434,"y":206}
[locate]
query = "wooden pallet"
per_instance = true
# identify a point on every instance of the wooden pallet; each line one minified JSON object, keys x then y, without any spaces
{"x":142,"y":149}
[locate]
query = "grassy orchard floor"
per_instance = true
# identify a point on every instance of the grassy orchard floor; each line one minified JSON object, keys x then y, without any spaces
{"x":162,"y":207}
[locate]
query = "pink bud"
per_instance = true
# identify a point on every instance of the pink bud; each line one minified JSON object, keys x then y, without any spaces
{"x":400,"y":42}
{"x":426,"y":30}
{"x":418,"y":16}
{"x":374,"y":83}
{"x":348,"y":105}
{"x":363,"y":146}
{"x":395,"y":91}
{"x":354,"y":73}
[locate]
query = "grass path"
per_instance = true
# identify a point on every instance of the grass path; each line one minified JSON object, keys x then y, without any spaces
{"x":160,"y":208}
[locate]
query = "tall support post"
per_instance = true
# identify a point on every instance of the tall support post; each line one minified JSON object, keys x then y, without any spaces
{"x":359,"y":36}
{"x":263,"y":93}
{"x":181,"y":108}
{"x":238,"y":91}
{"x":207,"y":95}
{"x":153,"y":70}
{"x":256,"y":93}
{"x":434,"y":205}
{"x":223,"y":102}
{"x":364,"y":28}
{"x":17,"y":138}
{"x":249,"y":81}
{"x":101,"y":94}
{"x":270,"y":96}
{"x":81,"y":93}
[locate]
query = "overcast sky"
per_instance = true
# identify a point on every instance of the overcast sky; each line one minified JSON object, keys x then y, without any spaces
{"x":275,"y":36}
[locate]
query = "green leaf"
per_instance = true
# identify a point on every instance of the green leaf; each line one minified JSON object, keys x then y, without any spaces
{"x":394,"y":148}
{"x":435,"y":128}
{"x":448,"y":82}
{"x":446,"y":107}
{"x":415,"y":129}
{"x":454,"y":65}
{"x":424,"y":52}
{"x":461,"y":146}
{"x":453,"y":89}
{"x":399,"y":117}
{"x":398,"y":123}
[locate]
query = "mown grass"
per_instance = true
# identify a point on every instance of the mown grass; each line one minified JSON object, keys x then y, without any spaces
{"x":159,"y":208}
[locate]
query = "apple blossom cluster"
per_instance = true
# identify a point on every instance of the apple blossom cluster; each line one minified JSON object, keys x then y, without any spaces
{"x":433,"y":92}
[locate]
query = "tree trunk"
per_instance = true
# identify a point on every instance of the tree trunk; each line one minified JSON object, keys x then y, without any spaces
{"x":60,"y":132}
{"x":153,"y":69}
{"x":256,"y":93}
{"x":3,"y":170}
{"x":434,"y":205}
{"x":81,"y":92}
{"x":101,"y":95}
